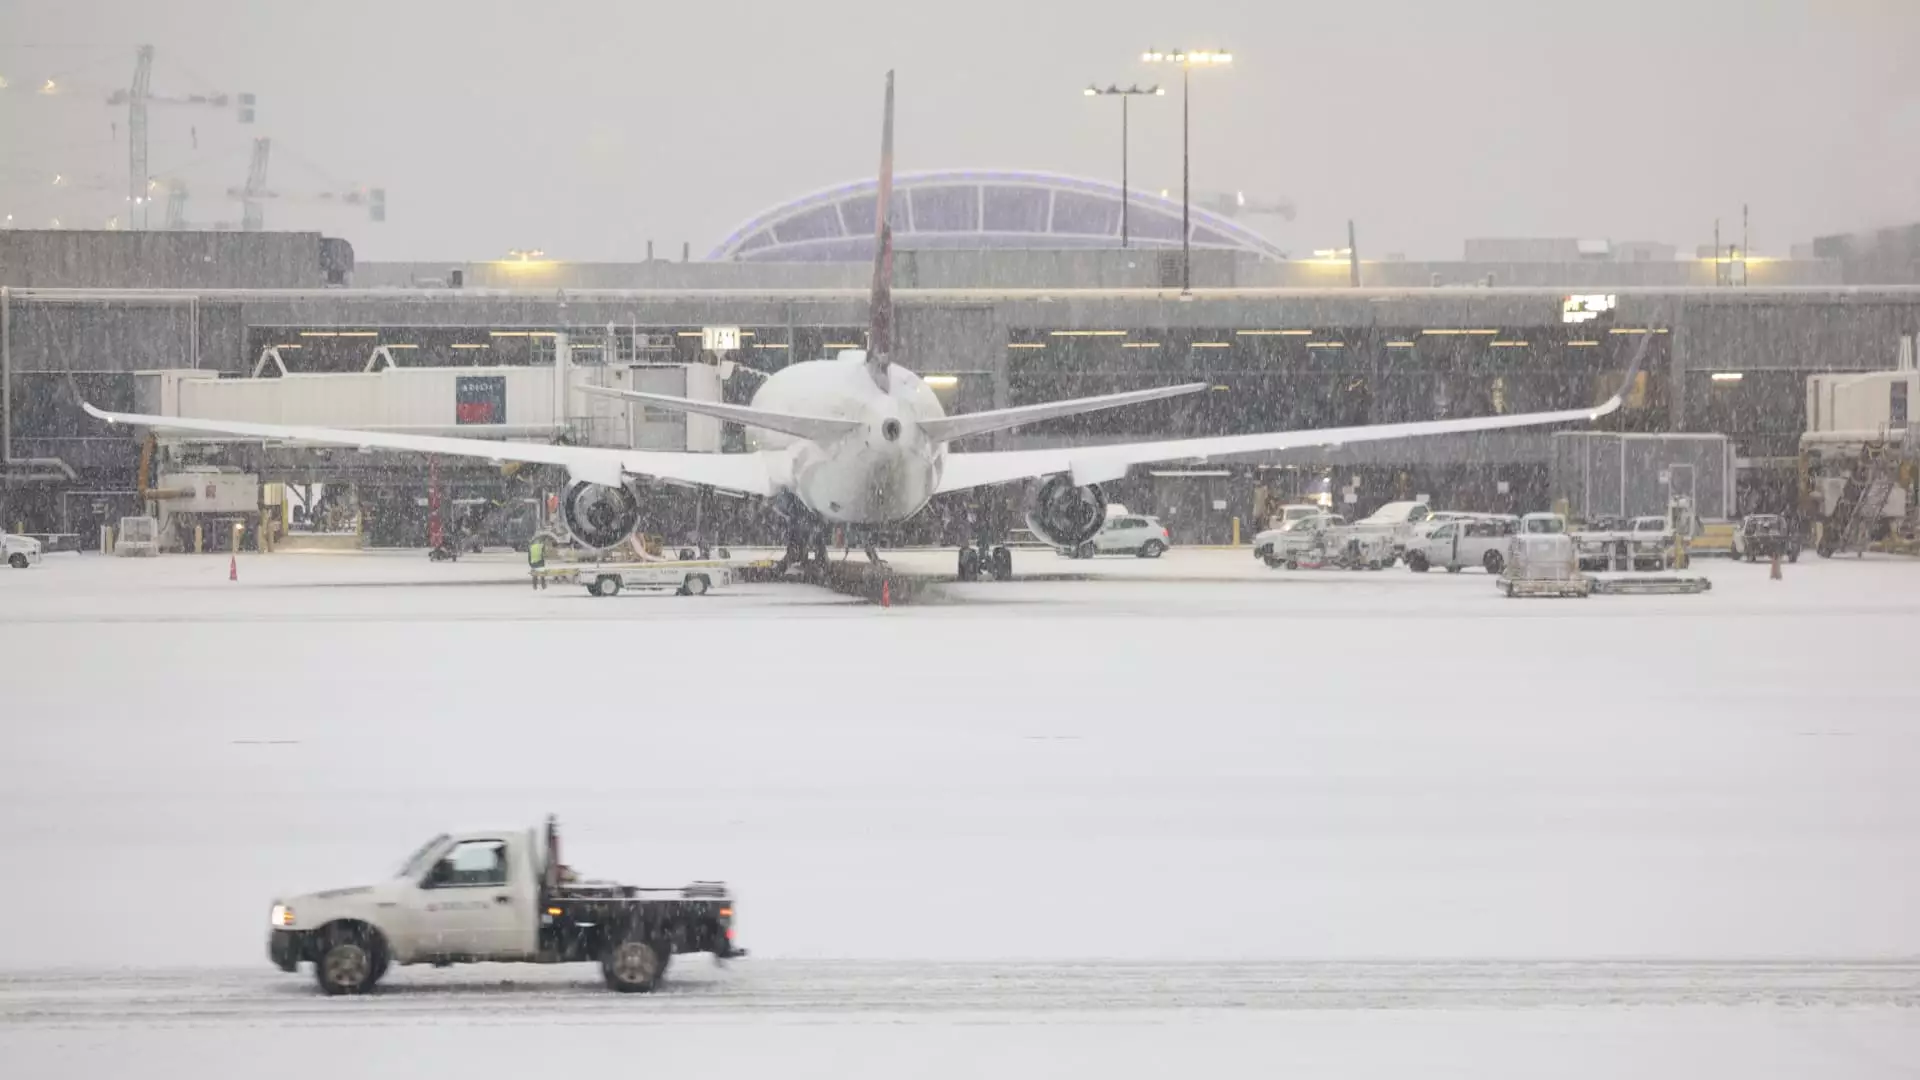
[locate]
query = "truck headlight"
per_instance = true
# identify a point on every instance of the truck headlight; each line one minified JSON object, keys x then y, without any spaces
{"x":281,"y":917}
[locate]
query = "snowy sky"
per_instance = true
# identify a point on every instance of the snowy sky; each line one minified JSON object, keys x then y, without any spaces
{"x":585,"y":127}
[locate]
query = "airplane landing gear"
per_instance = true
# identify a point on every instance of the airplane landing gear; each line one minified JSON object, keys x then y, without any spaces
{"x":996,"y":560}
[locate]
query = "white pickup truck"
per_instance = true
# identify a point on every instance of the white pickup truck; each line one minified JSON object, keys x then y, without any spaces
{"x":501,"y":897}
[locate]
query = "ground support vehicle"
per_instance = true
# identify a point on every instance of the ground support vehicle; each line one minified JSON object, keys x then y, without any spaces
{"x":1397,"y":521}
{"x":1614,"y":583}
{"x":1765,"y":536}
{"x":1289,"y":513}
{"x":1301,"y":537}
{"x":608,"y":579}
{"x":1543,"y":564}
{"x":498,"y":897}
{"x":1340,"y":550}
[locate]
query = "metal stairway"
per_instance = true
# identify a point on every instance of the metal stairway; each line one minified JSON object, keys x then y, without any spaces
{"x":1882,"y":469}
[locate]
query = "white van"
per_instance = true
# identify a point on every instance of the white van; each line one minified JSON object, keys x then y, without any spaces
{"x":1455,"y":545}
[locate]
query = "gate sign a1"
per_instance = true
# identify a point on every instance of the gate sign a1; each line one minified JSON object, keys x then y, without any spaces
{"x":720,"y":338}
{"x":1579,"y":309}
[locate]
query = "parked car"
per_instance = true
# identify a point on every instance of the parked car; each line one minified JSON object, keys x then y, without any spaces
{"x":19,"y":552}
{"x":1762,"y":536}
{"x":1126,"y":534}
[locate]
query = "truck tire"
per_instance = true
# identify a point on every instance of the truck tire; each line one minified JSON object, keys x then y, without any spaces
{"x":1417,"y":562}
{"x":17,"y":561}
{"x":605,"y":585}
{"x":696,"y":585}
{"x":1274,"y":563}
{"x":1494,"y":562}
{"x":633,"y":965}
{"x":349,"y":961}
{"x":1000,"y":564}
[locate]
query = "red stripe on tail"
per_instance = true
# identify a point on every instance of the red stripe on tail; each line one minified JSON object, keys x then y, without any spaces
{"x":880,"y":305}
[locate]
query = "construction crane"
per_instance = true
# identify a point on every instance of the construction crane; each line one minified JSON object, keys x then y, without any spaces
{"x":137,"y":98}
{"x":255,"y":191}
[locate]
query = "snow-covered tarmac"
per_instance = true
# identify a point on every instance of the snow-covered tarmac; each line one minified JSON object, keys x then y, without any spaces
{"x":1188,"y":815}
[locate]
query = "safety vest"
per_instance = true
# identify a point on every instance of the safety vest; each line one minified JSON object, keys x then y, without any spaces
{"x":536,"y":552}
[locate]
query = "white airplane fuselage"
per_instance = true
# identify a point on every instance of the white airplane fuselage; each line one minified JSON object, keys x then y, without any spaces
{"x":885,"y":472}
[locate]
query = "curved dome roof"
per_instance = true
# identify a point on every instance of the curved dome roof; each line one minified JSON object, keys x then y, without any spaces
{"x":970,"y":210}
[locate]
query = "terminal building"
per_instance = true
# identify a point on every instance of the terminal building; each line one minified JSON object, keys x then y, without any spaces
{"x":1012,"y":289}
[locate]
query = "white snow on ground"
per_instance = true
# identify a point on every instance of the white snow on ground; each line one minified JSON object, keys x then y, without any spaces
{"x":1183,"y":767}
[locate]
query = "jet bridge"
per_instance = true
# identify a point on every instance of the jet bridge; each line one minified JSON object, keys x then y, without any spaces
{"x":522,"y":403}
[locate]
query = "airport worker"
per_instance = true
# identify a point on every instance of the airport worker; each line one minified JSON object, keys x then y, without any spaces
{"x":537,"y":561}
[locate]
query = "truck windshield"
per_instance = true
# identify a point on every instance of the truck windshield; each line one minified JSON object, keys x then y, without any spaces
{"x":416,"y":863}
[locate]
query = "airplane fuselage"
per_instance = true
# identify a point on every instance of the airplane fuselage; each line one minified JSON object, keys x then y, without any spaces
{"x":882,"y":473}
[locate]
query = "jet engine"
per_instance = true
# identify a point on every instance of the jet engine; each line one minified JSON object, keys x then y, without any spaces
{"x":1064,"y":515}
{"x":599,"y":516}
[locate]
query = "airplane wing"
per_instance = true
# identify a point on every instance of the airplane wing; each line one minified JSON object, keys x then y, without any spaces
{"x":963,"y":425}
{"x":746,"y":473}
{"x":1101,"y":464}
{"x":820,"y":429}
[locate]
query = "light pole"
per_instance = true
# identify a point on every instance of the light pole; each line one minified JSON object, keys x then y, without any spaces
{"x":1188,"y":59}
{"x":1113,"y":90}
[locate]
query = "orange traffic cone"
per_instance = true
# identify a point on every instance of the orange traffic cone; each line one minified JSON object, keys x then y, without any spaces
{"x":233,"y":568}
{"x":1776,"y":567}
{"x":886,"y":593}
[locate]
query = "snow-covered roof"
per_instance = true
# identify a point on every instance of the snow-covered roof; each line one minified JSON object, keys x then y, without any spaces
{"x":974,"y":209}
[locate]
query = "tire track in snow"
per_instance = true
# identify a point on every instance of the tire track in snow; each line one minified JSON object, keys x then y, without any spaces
{"x":1007,"y":992}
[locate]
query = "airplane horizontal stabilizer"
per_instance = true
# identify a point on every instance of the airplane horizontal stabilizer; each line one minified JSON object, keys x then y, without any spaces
{"x":820,"y":429}
{"x":949,"y":428}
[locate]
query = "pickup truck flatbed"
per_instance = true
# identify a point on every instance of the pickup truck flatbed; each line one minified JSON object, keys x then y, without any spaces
{"x":498,"y":897}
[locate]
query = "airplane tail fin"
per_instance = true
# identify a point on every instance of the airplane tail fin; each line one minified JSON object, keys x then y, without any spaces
{"x":880,"y":304}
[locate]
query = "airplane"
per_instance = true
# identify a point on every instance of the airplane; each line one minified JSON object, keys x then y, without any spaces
{"x":859,"y":440}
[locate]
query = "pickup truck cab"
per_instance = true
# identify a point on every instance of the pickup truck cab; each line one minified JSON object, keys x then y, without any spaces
{"x":1454,"y":545}
{"x":501,"y":897}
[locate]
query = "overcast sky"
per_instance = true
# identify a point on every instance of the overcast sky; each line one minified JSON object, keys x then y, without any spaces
{"x":586,"y":127}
